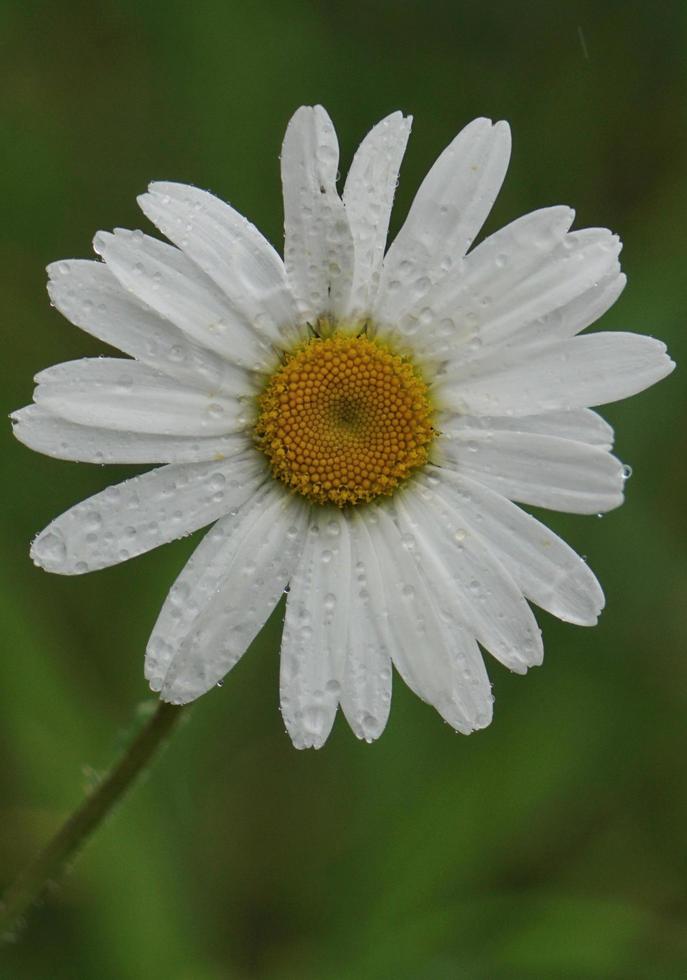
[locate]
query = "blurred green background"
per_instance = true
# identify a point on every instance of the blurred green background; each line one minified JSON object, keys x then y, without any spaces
{"x":551,"y":845}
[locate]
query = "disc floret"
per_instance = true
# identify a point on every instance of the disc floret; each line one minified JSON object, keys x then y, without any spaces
{"x":344,"y":420}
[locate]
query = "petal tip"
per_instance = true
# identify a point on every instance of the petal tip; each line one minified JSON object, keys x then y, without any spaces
{"x":49,"y":551}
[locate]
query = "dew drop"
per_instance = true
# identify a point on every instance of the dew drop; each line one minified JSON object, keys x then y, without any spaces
{"x":217,"y":482}
{"x":93,"y":520}
{"x":176,"y":353}
{"x":50,"y":548}
{"x":369,"y":723}
{"x":314,"y":720}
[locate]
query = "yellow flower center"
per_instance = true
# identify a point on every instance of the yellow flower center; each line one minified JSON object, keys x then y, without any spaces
{"x":344,"y":420}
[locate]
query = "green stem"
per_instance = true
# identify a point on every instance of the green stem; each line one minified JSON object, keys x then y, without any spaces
{"x":46,"y":868}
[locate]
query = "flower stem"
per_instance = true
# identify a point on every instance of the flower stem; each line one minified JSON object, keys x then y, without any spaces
{"x":31,"y":883}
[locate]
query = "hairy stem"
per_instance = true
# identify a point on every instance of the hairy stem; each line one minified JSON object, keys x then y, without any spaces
{"x":46,"y":868}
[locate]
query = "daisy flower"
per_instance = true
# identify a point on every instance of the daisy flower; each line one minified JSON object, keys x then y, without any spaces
{"x":359,"y":426}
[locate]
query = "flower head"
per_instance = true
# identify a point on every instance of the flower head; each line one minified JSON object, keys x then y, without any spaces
{"x":361,"y":426}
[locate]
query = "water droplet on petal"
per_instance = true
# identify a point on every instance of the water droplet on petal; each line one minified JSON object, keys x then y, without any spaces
{"x":50,"y":548}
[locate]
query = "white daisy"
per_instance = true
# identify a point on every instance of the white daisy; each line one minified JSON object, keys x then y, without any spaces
{"x":360,"y":425}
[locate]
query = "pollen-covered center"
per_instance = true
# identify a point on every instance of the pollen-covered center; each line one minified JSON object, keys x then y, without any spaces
{"x":344,"y":420}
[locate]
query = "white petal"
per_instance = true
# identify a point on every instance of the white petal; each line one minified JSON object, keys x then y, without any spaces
{"x":540,"y":470}
{"x":116,"y":393}
{"x":448,"y":211}
{"x":46,"y":433}
{"x":449,"y":312}
{"x":368,"y":197}
{"x":200,"y":579}
{"x":439,"y":662}
{"x":90,"y":296}
{"x":577,"y":282}
{"x":144,"y":512}
{"x":315,"y":637}
{"x":230,"y":250}
{"x":318,"y":247}
{"x":366,"y":685}
{"x":574,"y":315}
{"x":471,"y":586}
{"x":592,"y":369}
{"x":166,"y":281}
{"x":216,"y":609}
{"x":547,"y":570}
{"x":579,"y":425}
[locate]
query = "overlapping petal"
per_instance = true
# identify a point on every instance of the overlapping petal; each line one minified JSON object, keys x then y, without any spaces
{"x":447,"y":213}
{"x":315,"y":640}
{"x":368,"y":196}
{"x":92,"y":298}
{"x":546,"y":569}
{"x":579,"y":425}
{"x":470,"y":584}
{"x":218,"y":604}
{"x":231,"y":251}
{"x":39,"y":429}
{"x":542,"y":470}
{"x":366,"y":683}
{"x":115,"y":393}
{"x":318,"y":244}
{"x":149,"y":510}
{"x":165,"y":280}
{"x":437,"y":657}
{"x":446,"y":314}
{"x":592,"y":369}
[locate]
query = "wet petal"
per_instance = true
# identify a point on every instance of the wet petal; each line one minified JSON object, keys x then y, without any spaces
{"x":230,"y":250}
{"x":318,"y":247}
{"x":447,"y":213}
{"x":316,"y":626}
{"x":540,"y":470}
{"x":437,"y":658}
{"x":547,"y":570}
{"x":219,"y":604}
{"x":368,"y":197}
{"x":149,"y":510}
{"x":91,"y":297}
{"x":115,"y":393}
{"x":38,"y":429}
